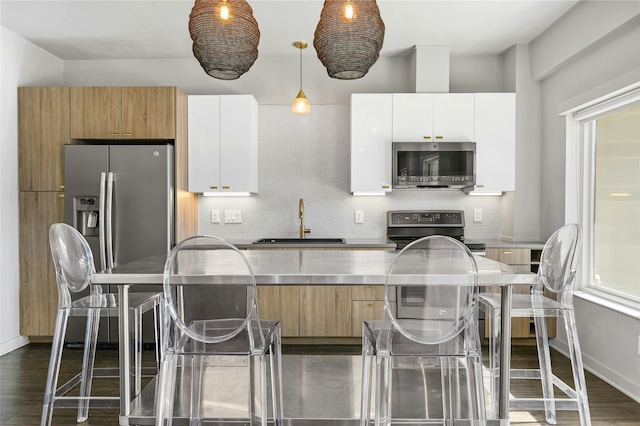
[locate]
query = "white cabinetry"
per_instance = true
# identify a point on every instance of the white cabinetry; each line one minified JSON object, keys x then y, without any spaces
{"x":223,"y":144}
{"x":371,"y":143}
{"x":424,"y":117}
{"x":495,"y":135}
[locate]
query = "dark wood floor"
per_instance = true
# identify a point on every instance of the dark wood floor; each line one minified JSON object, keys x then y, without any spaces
{"x":23,"y":374}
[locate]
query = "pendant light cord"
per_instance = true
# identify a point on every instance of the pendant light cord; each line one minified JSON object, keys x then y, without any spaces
{"x":300,"y":68}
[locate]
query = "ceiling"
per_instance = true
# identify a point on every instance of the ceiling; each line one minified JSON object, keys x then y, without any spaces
{"x":93,"y":29}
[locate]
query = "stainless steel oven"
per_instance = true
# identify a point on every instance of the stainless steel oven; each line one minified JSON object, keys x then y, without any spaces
{"x":405,"y":226}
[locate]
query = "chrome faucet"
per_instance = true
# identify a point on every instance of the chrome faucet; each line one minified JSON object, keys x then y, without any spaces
{"x":303,"y":230}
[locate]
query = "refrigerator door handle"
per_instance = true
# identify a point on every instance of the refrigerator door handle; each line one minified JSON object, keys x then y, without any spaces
{"x":109,"y":211}
{"x":101,"y":220}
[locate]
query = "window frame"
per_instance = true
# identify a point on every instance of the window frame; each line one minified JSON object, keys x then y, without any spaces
{"x":580,"y":191}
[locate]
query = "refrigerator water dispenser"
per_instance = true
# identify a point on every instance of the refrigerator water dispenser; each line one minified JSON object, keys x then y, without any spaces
{"x":86,"y":215}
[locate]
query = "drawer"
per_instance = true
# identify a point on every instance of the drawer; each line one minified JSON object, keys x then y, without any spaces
{"x":510,"y":256}
{"x":367,"y":292}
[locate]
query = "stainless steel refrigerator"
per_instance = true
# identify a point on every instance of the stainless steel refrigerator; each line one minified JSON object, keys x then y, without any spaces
{"x":121,"y":198}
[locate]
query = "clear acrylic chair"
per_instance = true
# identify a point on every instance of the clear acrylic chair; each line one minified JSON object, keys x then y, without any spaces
{"x":74,"y":266}
{"x":211,"y":314}
{"x":556,"y":275}
{"x":429,"y":327}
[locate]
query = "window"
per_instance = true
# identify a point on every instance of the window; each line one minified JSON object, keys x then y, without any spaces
{"x":617,"y":201}
{"x":603,"y":169}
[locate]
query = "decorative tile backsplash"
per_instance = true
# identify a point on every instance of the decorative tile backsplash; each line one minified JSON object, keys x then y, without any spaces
{"x":308,"y":157}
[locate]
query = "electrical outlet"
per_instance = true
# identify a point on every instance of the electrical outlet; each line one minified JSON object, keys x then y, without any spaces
{"x":359,"y":216}
{"x":232,"y":216}
{"x":215,"y":216}
{"x":477,"y":215}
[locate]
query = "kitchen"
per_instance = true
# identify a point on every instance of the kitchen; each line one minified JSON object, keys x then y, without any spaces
{"x":315,"y":155}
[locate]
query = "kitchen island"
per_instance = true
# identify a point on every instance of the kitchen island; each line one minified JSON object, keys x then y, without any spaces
{"x":293,"y":268}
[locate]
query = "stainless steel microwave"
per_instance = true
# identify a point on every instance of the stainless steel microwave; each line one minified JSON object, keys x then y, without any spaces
{"x":419,"y":165}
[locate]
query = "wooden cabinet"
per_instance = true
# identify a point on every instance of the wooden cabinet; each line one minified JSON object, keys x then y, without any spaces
{"x":281,"y":303}
{"x":43,"y":130}
{"x":439,"y":117}
{"x":495,"y":137}
{"x":371,"y":143}
{"x":223,"y":144}
{"x":123,"y":113}
{"x":325,"y":311}
{"x":49,"y":118}
{"x":319,"y":310}
{"x":38,"y":290}
{"x":367,"y":304}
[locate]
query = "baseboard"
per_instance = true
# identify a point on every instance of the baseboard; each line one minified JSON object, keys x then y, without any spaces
{"x":13,"y":344}
{"x":622,"y":383}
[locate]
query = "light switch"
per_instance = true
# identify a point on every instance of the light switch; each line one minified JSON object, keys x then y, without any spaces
{"x":359,"y":216}
{"x":232,"y":216}
{"x":215,"y":216}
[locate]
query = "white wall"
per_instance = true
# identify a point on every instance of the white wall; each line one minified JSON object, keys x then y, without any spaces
{"x":608,"y":337}
{"x":23,"y":64}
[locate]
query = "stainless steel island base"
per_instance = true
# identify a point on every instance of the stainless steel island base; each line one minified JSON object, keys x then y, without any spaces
{"x":318,"y":390}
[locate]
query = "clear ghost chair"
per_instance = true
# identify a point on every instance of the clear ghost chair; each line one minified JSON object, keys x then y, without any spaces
{"x":556,"y":275}
{"x":74,"y":266}
{"x":429,"y":326}
{"x":211,"y":313}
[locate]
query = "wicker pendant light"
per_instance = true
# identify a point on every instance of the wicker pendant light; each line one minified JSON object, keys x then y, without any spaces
{"x":349,"y":37}
{"x":225,"y":37}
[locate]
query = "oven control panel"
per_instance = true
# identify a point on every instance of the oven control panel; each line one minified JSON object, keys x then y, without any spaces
{"x":426,"y":218}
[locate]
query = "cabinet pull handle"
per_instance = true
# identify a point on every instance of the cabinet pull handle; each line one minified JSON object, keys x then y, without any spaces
{"x":61,"y":195}
{"x":385,"y":186}
{"x":128,"y":134}
{"x":506,"y":252}
{"x":439,"y":137}
{"x":115,"y":134}
{"x":61,"y":186}
{"x":371,"y":305}
{"x":426,"y":137}
{"x":226,"y":187}
{"x":213,"y":187}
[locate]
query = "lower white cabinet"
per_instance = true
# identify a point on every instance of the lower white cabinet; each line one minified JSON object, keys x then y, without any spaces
{"x":371,"y":133}
{"x":495,"y":137}
{"x":223,"y":144}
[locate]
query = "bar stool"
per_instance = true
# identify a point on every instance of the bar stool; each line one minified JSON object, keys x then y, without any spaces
{"x":556,"y":274}
{"x":74,"y":266}
{"x":429,"y":325}
{"x":211,"y":317}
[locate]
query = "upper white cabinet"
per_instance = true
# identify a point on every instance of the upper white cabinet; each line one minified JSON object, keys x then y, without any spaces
{"x":371,"y":143}
{"x":440,"y":117}
{"x":495,"y":137}
{"x":223,"y":144}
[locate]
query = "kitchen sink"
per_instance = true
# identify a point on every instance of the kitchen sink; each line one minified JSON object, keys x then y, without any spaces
{"x":300,"y":241}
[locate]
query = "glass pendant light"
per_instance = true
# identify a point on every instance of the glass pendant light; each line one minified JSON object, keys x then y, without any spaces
{"x":301,"y":104}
